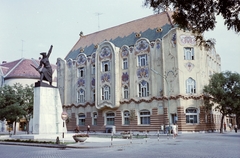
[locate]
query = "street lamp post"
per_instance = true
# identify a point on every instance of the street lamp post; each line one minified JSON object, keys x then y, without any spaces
{"x":64,"y":116}
{"x":164,"y":77}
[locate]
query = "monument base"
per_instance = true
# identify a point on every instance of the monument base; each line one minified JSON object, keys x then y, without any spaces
{"x":47,"y":111}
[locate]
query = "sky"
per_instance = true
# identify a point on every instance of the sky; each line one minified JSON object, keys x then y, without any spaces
{"x":29,"y":27}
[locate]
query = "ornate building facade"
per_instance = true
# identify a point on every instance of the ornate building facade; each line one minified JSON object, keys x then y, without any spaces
{"x":139,"y":76}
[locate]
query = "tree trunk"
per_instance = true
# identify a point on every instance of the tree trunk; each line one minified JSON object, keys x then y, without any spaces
{"x":27,"y":126}
{"x":221,"y":127}
{"x":15,"y":125}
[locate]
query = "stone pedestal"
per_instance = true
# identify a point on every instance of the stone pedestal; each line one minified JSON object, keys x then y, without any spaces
{"x":47,"y":111}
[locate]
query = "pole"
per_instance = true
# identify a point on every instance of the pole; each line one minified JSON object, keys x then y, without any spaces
{"x":63,"y":132}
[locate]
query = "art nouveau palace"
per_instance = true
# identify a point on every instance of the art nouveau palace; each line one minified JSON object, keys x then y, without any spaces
{"x":139,"y":76}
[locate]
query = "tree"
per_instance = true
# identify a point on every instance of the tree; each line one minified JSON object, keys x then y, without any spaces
{"x":200,"y":16}
{"x":223,"y":93}
{"x":16,"y":102}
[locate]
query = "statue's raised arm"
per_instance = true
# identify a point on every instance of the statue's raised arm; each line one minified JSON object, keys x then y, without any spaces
{"x":50,"y":51}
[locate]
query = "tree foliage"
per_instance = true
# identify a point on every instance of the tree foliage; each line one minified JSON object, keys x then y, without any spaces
{"x":16,"y":102}
{"x":200,"y":16}
{"x":223,"y":93}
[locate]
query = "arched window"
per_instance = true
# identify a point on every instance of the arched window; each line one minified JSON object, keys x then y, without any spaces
{"x":106,"y":93}
{"x":144,"y":117}
{"x":126,"y":117}
{"x":80,"y":72}
{"x":105,"y":66}
{"x":81,"y":96}
{"x":125,"y":92}
{"x":143,"y":89}
{"x":110,"y":118}
{"x":191,"y":115}
{"x":81,"y":118}
{"x":190,"y":85}
{"x":95,"y":118}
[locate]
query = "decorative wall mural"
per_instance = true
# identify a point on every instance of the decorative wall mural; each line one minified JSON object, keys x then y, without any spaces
{"x":125,"y":78}
{"x":81,"y":59}
{"x":105,"y":77}
{"x":186,"y":39}
{"x":105,"y":53}
{"x":81,"y":82}
{"x":174,"y":40}
{"x":125,"y":51}
{"x":189,"y":66}
{"x":142,"y":45}
{"x":142,"y":72}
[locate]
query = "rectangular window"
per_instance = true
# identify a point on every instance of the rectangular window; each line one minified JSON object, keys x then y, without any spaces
{"x":191,"y":118}
{"x":188,"y":53}
{"x":110,"y":121}
{"x":126,"y":118}
{"x":95,"y":119}
{"x":125,"y":92}
{"x":142,"y":60}
{"x":93,"y":69}
{"x":125,"y":63}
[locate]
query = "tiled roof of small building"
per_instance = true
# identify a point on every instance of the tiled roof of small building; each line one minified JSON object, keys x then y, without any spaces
{"x":124,"y":34}
{"x":20,"y":69}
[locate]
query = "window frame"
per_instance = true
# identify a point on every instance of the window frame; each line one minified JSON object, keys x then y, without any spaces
{"x":81,"y":119}
{"x":142,"y":60}
{"x":190,"y":86}
{"x":80,"y":72}
{"x":81,"y":96}
{"x":106,"y":66}
{"x":93,"y":69}
{"x":188,"y":53}
{"x":110,"y":119}
{"x":144,"y":116}
{"x":95,"y":115}
{"x":143,"y":89}
{"x":125,"y":63}
{"x":126,"y":117}
{"x":192,"y":117}
{"x":106,"y":93}
{"x":125,"y":92}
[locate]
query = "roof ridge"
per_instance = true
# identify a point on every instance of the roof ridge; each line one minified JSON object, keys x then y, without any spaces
{"x":14,"y":67}
{"x":116,"y":26}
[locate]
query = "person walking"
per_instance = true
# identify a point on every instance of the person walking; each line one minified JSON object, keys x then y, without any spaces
{"x":225,"y":128}
{"x":88,"y":128}
{"x":174,"y":129}
{"x":235,"y":128}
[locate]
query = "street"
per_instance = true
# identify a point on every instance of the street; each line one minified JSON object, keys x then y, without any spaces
{"x":191,"y":145}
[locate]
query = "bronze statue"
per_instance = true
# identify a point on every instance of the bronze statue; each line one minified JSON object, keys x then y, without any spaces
{"x":46,"y":71}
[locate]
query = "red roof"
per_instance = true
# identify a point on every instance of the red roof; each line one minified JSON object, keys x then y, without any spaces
{"x":20,"y":69}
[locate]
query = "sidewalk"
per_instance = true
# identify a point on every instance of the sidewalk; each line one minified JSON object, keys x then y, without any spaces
{"x":94,"y":141}
{"x":99,"y":140}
